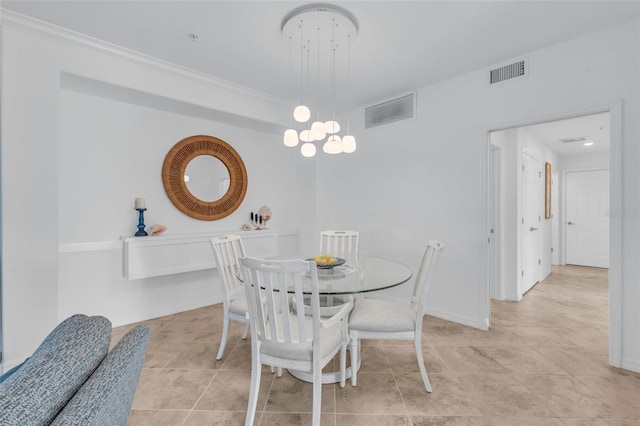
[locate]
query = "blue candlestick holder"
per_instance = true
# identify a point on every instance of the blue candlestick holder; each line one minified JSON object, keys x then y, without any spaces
{"x":141,"y":232}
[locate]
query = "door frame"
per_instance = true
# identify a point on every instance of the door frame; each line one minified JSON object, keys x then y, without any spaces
{"x":615,"y":205}
{"x":563,"y":223}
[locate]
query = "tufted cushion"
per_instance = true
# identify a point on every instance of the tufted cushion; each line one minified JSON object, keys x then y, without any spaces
{"x":381,"y":315}
{"x":35,"y":393}
{"x":107,"y":396}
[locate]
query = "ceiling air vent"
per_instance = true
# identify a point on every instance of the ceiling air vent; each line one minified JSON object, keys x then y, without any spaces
{"x":402,"y":108}
{"x":576,"y":139}
{"x":510,"y":71}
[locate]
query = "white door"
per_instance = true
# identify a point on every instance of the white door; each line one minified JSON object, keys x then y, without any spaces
{"x":587,"y":224}
{"x":494,"y":225}
{"x":532,"y":209}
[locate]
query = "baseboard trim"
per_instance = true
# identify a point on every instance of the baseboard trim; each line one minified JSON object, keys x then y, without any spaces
{"x":631,"y":364}
{"x":471,"y":322}
{"x":151,"y":314}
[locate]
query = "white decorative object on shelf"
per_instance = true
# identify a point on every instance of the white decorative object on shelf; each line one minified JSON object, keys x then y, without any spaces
{"x":265,"y":212}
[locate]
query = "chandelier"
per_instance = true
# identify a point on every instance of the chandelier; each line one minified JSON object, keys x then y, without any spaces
{"x":319,"y":37}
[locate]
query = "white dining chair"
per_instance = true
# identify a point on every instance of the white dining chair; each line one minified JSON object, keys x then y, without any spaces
{"x":282,"y":338}
{"x":344,"y":244}
{"x":228,"y":250}
{"x":390,"y":320}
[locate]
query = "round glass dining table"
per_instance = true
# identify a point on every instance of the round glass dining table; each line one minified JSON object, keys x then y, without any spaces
{"x":363,"y":275}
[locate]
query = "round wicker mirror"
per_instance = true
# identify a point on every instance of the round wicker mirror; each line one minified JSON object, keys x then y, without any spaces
{"x":173,"y":177}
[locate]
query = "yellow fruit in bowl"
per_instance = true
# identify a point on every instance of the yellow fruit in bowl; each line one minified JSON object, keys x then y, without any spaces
{"x":325,"y":259}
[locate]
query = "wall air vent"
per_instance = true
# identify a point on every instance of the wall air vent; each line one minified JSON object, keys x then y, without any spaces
{"x":402,"y":108}
{"x":509,"y":71}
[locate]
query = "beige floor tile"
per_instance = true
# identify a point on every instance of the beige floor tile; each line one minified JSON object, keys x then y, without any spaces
{"x":373,"y":359}
{"x":447,"y":398}
{"x":368,"y":420}
{"x":216,"y":418}
{"x":503,"y":395}
{"x":419,"y":420}
{"x":237,"y":357}
{"x":157,"y":417}
{"x":602,"y":422}
{"x":522,"y":360}
{"x":469,"y":360}
{"x":539,"y":336}
{"x":173,"y":389}
{"x":289,"y":394}
{"x":197,"y":356}
{"x":375,"y":393}
{"x":229,"y":391}
{"x":575,"y":360}
{"x":294,"y":419}
{"x":405,"y":359}
{"x":620,"y":392}
{"x":566,"y":396}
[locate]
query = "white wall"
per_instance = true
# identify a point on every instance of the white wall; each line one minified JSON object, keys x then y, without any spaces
{"x":425,"y":178}
{"x":72,"y":164}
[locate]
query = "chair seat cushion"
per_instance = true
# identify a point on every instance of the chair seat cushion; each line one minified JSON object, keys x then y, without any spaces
{"x":330,"y":339}
{"x":238,"y":302}
{"x":382,"y":316}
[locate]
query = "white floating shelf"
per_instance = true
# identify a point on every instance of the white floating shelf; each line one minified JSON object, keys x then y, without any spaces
{"x":149,"y":256}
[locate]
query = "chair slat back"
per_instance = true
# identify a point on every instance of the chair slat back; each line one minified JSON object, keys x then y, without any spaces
{"x":344,"y":244}
{"x":268,"y":285}
{"x":227,"y":250}
{"x":425,"y":276}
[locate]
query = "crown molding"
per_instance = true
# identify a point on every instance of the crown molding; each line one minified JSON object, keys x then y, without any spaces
{"x":27,"y":24}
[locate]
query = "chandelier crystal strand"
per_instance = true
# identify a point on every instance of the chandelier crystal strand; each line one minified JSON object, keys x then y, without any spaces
{"x":317,"y":128}
{"x":308,"y":149}
{"x":348,"y":141}
{"x":333,"y":145}
{"x":301,"y":113}
{"x":291,"y":135}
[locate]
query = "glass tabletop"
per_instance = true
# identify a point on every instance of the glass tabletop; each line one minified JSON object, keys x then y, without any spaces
{"x":364,"y":275}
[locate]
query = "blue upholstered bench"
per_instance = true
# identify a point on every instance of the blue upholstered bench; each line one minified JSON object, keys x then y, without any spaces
{"x":72,"y":379}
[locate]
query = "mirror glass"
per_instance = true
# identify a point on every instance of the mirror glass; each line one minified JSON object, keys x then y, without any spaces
{"x":207,"y":178}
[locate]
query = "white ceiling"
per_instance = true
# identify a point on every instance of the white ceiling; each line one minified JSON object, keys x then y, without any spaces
{"x":401,"y":45}
{"x":595,"y":128}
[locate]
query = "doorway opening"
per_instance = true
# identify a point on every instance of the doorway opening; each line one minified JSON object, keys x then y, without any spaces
{"x":544,"y":179}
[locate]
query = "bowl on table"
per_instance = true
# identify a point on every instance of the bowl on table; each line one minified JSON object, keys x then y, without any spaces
{"x":326,"y":261}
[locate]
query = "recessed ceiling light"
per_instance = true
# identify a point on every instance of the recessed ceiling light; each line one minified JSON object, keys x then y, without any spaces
{"x":588,"y":143}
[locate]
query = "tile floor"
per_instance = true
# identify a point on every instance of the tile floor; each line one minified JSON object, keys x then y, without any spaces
{"x":544,"y":362}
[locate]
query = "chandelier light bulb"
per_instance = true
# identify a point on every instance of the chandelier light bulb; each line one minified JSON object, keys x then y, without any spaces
{"x":290,"y":138}
{"x":348,"y":144}
{"x":308,"y":149}
{"x":332,"y":126}
{"x":305,"y":136}
{"x":318,"y":131}
{"x":332,"y":147}
{"x":302,"y":113}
